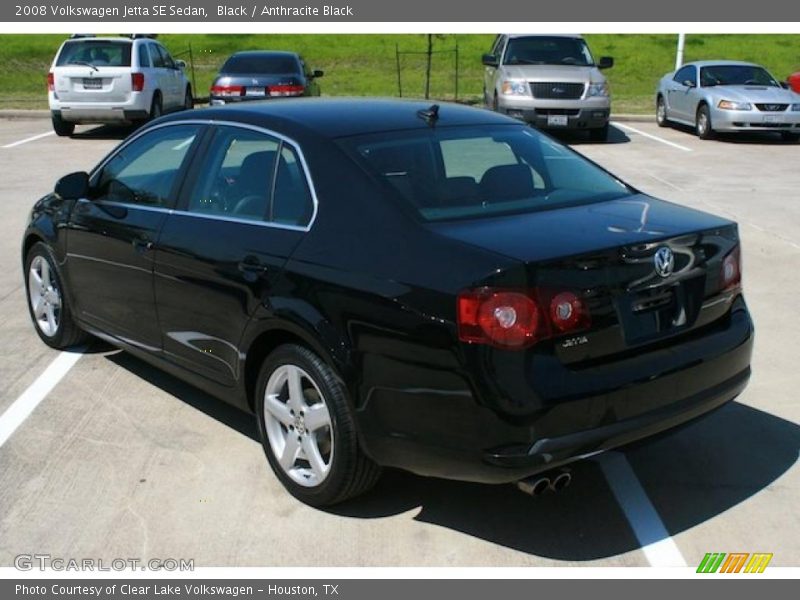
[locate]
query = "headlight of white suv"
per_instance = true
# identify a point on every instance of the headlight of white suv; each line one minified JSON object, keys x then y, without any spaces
{"x":731,"y":105}
{"x":515,"y":88}
{"x":597,"y":89}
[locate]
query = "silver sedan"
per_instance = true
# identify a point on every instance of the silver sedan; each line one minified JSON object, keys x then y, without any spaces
{"x":727,"y":96}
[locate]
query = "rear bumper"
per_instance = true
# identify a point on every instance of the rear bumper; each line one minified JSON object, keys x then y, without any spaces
{"x":137,"y":107}
{"x":450,"y":433}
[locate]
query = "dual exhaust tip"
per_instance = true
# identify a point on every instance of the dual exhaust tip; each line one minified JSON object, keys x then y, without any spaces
{"x":539,"y":484}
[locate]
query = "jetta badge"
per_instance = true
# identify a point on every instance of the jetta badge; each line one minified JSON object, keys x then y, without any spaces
{"x":664,"y":261}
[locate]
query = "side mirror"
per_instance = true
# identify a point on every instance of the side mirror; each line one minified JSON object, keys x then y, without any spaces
{"x":73,"y":186}
{"x":689,"y":83}
{"x":317,"y":73}
{"x":180,"y":64}
{"x":606,"y":62}
{"x":490,"y":60}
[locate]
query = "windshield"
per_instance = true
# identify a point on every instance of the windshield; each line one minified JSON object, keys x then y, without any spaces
{"x":97,"y":53}
{"x":546,"y":50}
{"x":260,"y":63}
{"x":476,"y":172}
{"x":736,"y":75}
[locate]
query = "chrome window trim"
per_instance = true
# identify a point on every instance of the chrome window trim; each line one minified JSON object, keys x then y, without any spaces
{"x":211,"y":122}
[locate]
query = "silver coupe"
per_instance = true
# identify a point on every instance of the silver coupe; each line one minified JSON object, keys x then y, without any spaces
{"x":727,"y":96}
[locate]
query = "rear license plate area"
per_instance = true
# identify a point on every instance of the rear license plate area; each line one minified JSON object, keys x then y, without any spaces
{"x":258,"y":92}
{"x":92,"y":84}
{"x":655,"y":312}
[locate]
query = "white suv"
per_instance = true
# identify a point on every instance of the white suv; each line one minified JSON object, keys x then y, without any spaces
{"x":114,"y":80}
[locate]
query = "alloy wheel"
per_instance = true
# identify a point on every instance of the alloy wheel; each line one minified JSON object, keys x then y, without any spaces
{"x":44,"y":296}
{"x":298,"y":425}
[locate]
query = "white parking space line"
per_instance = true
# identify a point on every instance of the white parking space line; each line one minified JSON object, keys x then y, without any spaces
{"x":23,"y":406}
{"x":658,"y":547}
{"x":33,"y":138}
{"x":650,"y":136}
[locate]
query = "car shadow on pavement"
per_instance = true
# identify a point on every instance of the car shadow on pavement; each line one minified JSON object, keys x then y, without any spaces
{"x":762,"y":138}
{"x":690,"y":475}
{"x":581,"y":138}
{"x":105,"y":132}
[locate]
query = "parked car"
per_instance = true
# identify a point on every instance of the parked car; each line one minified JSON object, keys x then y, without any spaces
{"x":114,"y":80}
{"x":550,"y":81}
{"x":386,"y":283}
{"x":259,"y":75}
{"x":727,"y":96}
{"x":794,"y":82}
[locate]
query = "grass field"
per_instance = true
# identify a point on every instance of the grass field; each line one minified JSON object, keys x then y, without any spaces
{"x":364,"y":65}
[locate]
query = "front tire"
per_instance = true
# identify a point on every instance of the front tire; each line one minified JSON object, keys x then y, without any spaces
{"x":600,"y":134}
{"x":703,"y":126}
{"x":307,"y":430}
{"x":188,"y":99}
{"x":61,"y":127}
{"x":47,"y":301}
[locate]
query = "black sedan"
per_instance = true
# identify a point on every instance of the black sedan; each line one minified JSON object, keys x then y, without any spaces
{"x":392,"y":284}
{"x":260,"y":75}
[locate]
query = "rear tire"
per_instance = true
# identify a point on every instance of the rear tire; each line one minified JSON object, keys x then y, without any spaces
{"x":61,"y":127}
{"x":307,"y":429}
{"x":156,"y":107}
{"x":188,"y":99}
{"x":600,"y":134}
{"x":48,"y":305}
{"x":703,"y":126}
{"x":661,"y":112}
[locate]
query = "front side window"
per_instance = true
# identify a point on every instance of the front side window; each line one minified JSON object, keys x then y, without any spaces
{"x":475,"y":172}
{"x":145,"y":171}
{"x":688,"y":73}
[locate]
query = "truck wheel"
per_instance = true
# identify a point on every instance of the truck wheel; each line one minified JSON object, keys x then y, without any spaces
{"x":600,"y":134}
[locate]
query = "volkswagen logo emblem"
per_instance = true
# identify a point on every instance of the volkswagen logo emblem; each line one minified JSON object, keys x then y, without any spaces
{"x":664,"y":261}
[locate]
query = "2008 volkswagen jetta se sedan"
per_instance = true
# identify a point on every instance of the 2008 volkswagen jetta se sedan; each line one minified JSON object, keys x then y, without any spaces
{"x":392,"y":284}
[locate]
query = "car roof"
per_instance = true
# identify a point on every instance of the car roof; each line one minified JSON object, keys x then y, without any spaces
{"x":527,"y":35}
{"x":264,"y":53}
{"x":342,"y":117}
{"x":721,"y":63}
{"x":105,"y":39}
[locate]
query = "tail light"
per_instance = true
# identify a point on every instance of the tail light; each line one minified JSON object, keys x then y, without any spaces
{"x":285,"y":90}
{"x":730,"y":276}
{"x":514,"y":320}
{"x":137,"y":82}
{"x":227,"y":90}
{"x":51,"y":82}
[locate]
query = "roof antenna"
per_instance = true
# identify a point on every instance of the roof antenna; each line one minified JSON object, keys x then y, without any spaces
{"x":430,"y":115}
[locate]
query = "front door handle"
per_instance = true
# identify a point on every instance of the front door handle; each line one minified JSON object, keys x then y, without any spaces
{"x":251,"y":265}
{"x":142,"y":244}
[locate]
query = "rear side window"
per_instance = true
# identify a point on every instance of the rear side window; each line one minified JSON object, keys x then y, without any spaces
{"x":475,"y":172}
{"x":145,"y":171}
{"x":99,"y":53}
{"x":144,"y":57}
{"x":248,"y":64}
{"x":252,"y":176}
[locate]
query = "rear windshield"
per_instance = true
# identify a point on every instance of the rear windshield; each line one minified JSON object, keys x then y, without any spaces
{"x":98,"y":53}
{"x":262,"y":64}
{"x":736,"y":75}
{"x":476,"y":172}
{"x":546,"y":50}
